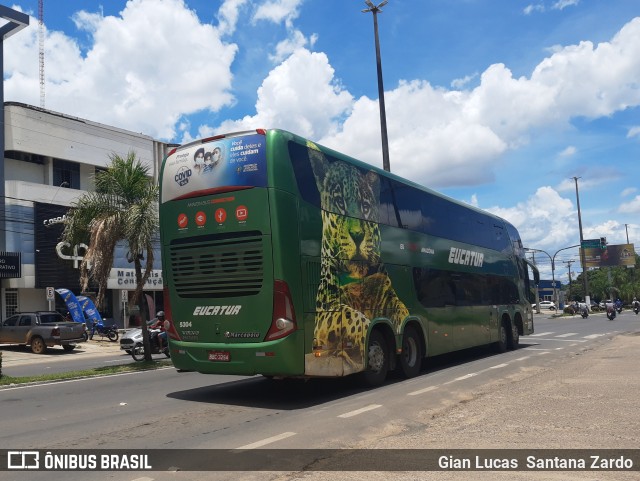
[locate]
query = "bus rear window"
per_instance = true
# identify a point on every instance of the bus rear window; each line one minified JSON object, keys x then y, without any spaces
{"x":238,"y":161}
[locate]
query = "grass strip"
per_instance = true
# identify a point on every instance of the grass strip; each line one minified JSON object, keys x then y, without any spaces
{"x":95,"y":372}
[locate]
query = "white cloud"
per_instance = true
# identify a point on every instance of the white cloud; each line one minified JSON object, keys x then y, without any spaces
{"x":545,"y":220}
{"x":568,"y":152}
{"x":442,"y":137}
{"x":633,"y":132}
{"x":296,"y":40}
{"x":529,"y":9}
{"x":628,"y":191}
{"x":632,"y":207}
{"x":228,"y":14}
{"x":300,"y":95}
{"x":562,"y":4}
{"x":156,"y":63}
{"x":278,"y":10}
{"x":146,"y":68}
{"x":462,"y":82}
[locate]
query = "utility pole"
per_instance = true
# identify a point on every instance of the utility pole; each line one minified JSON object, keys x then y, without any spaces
{"x":585,"y":280}
{"x":375,"y":9}
{"x":626,"y":228}
{"x":568,"y":264}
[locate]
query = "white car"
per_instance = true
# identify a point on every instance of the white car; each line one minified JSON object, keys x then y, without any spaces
{"x":546,"y":305}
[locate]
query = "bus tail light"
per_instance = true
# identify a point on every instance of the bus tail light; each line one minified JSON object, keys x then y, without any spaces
{"x":283,"y":321}
{"x":170,"y":328}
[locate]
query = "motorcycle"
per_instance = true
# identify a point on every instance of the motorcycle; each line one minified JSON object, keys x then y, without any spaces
{"x":636,"y":309}
{"x":584,"y":312}
{"x":137,"y":351}
{"x":111,"y":332}
{"x":611,"y":313}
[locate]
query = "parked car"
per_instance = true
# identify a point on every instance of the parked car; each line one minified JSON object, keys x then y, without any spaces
{"x":130,"y":338}
{"x":42,"y":329}
{"x":545,"y":305}
{"x":604,"y":303}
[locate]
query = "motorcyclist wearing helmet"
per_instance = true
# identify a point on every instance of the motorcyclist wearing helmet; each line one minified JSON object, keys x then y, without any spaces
{"x":159,"y":324}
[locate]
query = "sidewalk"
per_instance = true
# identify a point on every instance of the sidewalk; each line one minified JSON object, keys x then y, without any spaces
{"x":15,"y":355}
{"x":590,"y":402}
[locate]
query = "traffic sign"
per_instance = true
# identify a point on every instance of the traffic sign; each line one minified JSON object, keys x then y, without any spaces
{"x":590,"y":244}
{"x":51,"y":294}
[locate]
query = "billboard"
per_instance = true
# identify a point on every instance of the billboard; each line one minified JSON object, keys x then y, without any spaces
{"x":610,"y":256}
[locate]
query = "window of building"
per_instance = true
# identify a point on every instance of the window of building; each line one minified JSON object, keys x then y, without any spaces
{"x":66,"y":173}
{"x":11,"y":301}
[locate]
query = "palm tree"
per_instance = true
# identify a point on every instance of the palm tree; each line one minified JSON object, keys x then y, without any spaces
{"x":124,"y":207}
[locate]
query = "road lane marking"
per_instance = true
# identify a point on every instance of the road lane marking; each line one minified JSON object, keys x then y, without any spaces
{"x":266,"y":441}
{"x":593,"y":336}
{"x":422,"y":391}
{"x":461,"y":378}
{"x":370,"y":407}
{"x":523,"y":358}
{"x":498,"y":366}
{"x":555,"y":339}
{"x":541,"y":334}
{"x":568,"y":334}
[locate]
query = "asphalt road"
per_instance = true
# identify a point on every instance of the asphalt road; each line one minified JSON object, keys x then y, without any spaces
{"x":574,"y":383}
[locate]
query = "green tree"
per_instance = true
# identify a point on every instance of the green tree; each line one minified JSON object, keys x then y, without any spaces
{"x":606,"y":282}
{"x":123,"y":207}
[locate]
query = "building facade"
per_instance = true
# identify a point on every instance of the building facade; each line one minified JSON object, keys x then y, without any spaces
{"x":50,"y":159}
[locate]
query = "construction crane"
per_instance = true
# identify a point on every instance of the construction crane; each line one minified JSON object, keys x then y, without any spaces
{"x":41,"y":48}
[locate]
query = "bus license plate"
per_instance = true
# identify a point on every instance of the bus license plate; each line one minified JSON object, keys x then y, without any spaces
{"x":219,"y":356}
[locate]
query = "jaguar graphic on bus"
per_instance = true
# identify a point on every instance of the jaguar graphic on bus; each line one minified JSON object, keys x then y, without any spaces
{"x":288,"y":259}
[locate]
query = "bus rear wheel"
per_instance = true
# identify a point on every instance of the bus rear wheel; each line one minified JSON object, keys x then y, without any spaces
{"x":411,"y":356}
{"x":377,"y":360}
{"x":514,"y":339}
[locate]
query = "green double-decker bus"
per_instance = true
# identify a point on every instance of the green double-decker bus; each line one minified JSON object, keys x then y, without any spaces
{"x":288,"y":259}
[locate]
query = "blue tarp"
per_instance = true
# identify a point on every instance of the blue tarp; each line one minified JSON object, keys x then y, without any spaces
{"x":72,"y":304}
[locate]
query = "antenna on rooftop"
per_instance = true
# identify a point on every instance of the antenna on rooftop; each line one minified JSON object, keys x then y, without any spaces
{"x":41,"y":48}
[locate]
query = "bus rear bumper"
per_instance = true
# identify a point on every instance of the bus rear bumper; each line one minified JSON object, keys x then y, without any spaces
{"x":284,"y":357}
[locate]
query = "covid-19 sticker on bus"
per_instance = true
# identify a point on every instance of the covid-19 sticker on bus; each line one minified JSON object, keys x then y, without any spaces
{"x":214,"y":164}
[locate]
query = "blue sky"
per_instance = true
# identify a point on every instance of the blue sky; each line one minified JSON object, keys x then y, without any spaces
{"x":498,"y":103}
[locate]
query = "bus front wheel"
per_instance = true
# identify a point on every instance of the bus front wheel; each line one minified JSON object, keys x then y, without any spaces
{"x":503,"y":339}
{"x":411,"y":356}
{"x":377,"y":360}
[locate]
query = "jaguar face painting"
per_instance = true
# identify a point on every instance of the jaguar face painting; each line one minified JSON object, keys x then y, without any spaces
{"x":354,"y":284}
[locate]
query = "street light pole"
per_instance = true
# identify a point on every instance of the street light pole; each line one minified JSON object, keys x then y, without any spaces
{"x":585,"y":279}
{"x":553,"y":272}
{"x":375,"y":9}
{"x":553,"y":279}
{"x":13,"y":22}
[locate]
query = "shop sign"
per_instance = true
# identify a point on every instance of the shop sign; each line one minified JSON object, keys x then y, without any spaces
{"x":126,"y":279}
{"x":10,"y":265}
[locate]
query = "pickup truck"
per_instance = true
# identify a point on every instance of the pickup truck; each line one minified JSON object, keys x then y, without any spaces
{"x":42,"y":329}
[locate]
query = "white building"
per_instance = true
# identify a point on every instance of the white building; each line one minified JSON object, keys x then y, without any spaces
{"x":49,"y":161}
